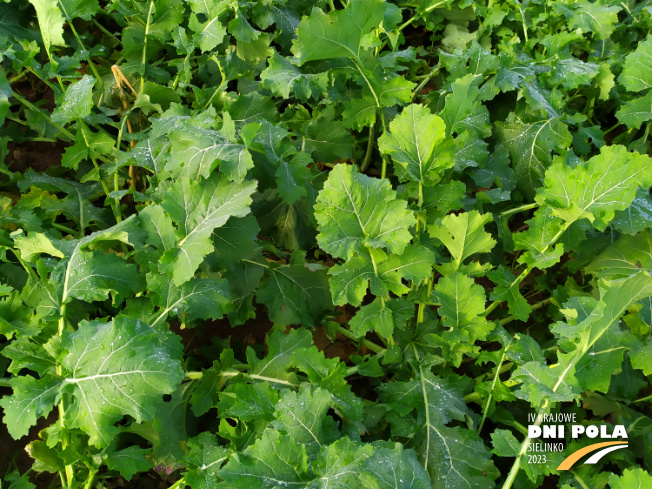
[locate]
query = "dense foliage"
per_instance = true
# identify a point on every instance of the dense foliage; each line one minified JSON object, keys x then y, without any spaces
{"x":458,"y":189}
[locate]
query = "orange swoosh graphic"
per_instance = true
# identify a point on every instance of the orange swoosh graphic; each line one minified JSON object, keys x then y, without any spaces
{"x":575,"y":456}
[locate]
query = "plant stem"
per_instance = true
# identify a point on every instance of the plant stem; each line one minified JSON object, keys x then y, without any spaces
{"x":522,"y":208}
{"x":31,"y":106}
{"x":81,"y":45}
{"x":355,"y":368}
{"x":17,"y":77}
{"x":179,"y":484}
{"x":106,"y":31}
{"x":370,"y":147}
{"x":63,"y":228}
{"x":485,"y":410}
{"x":363,"y":341}
{"x":144,"y":57}
{"x":61,"y":407}
{"x":424,"y":82}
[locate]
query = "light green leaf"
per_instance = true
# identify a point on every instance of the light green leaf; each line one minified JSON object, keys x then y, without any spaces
{"x":635,"y":112}
{"x":196,"y":299}
{"x":280,"y":348}
{"x":338,"y":34}
{"x":624,"y":258}
{"x":604,"y":184}
{"x":296,"y":293}
{"x":50,"y":21}
{"x":637,"y":217}
{"x":355,"y":212}
{"x":281,"y":77}
{"x":530,"y":145}
{"x":274,"y":460}
{"x":631,"y":478}
{"x":33,"y":245}
{"x":540,"y":240}
{"x":197,"y":209}
{"x":116,"y":369}
{"x":205,"y":457}
{"x":129,"y":461}
{"x":77,"y":101}
{"x":84,"y":9}
{"x":394,"y":468}
{"x":373,"y":317}
{"x":30,"y":400}
{"x":349,"y":281}
{"x":303,"y":416}
{"x":507,"y":289}
{"x":461,"y":301}
{"x":196,"y":152}
{"x":463,"y":110}
{"x":464,"y":235}
{"x":411,"y":142}
{"x":637,"y":70}
{"x":596,"y":17}
{"x":338,"y":466}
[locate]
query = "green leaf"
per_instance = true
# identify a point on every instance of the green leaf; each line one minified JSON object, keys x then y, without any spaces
{"x":373,"y":317}
{"x":115,"y":369}
{"x":129,"y":461}
{"x":411,"y":142}
{"x":623,"y":258}
{"x":637,"y":69}
{"x":338,"y":465}
{"x":273,"y":460}
{"x":77,"y":101}
{"x":303,"y":416}
{"x":637,"y":216}
{"x":635,"y":112}
{"x":204,"y":459}
{"x":197,"y":152}
{"x":394,"y":468}
{"x":530,"y":145}
{"x":463,"y":110}
{"x":507,"y":289}
{"x":355,"y":212}
{"x":282,"y":78}
{"x":280,"y":348}
{"x":461,"y":301}
{"x":596,"y":189}
{"x":198,"y":209}
{"x":593,"y":17}
{"x":338,"y":34}
{"x":50,"y":21}
{"x":540,"y":240}
{"x":92,"y":276}
{"x":33,"y":245}
{"x":635,"y":477}
{"x":30,"y":400}
{"x":84,"y":9}
{"x":195,"y":299}
{"x":464,"y":235}
{"x":349,"y":281}
{"x":296,"y":293}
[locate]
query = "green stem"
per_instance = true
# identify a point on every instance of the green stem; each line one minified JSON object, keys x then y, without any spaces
{"x":522,"y":208}
{"x":61,"y":407}
{"x":487,"y":403}
{"x":106,"y":32}
{"x":424,"y":82}
{"x":179,"y":484}
{"x":30,"y":271}
{"x":354,"y":370}
{"x":383,"y":170}
{"x":425,"y":401}
{"x":254,"y":263}
{"x":144,"y":57}
{"x":363,"y":341}
{"x":31,"y":106}
{"x":235,"y":373}
{"x":370,"y":147}
{"x":17,"y":77}
{"x":81,"y":45}
{"x":331,"y":5}
{"x":63,"y":228}
{"x":524,"y":446}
